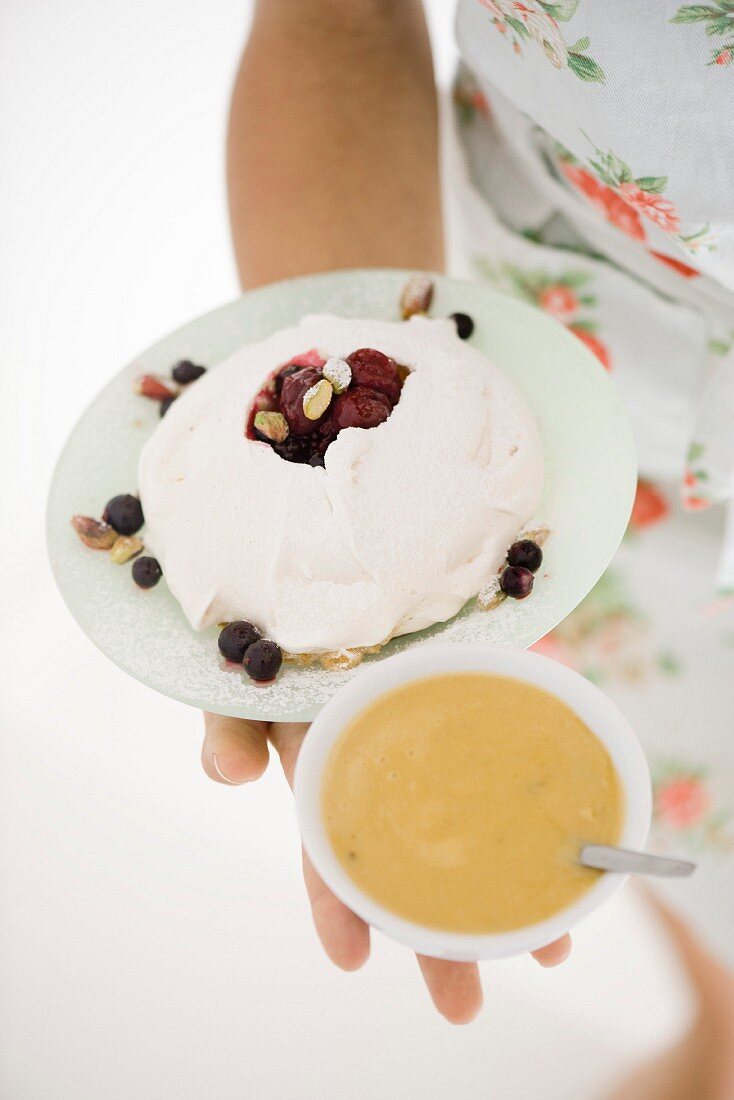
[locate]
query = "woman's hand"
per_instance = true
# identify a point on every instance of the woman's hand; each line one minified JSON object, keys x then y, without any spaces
{"x":236,"y":752}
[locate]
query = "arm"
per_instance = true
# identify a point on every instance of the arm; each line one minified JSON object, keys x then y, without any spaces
{"x":333,"y":163}
{"x":332,"y":157}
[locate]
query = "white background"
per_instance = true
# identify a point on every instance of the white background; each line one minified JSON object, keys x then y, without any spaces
{"x":154,"y":937}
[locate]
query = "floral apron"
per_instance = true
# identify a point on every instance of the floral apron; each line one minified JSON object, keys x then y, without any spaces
{"x":590,"y":164}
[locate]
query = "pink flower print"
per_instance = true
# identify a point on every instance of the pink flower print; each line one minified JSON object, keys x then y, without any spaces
{"x":682,"y":802}
{"x":650,"y":506}
{"x":622,"y":215}
{"x":544,"y":30}
{"x":535,"y":21}
{"x":558,"y":300}
{"x":695,"y":477}
{"x":594,"y":344}
{"x":550,"y":645}
{"x":695,"y":504}
{"x":605,"y":199}
{"x":624,"y":198}
{"x":685,"y":270}
{"x":656,"y":207}
{"x":581,"y":178}
{"x":717,"y":16}
{"x":480,"y":101}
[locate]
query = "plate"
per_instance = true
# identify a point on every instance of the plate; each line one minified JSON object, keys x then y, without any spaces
{"x":590,"y":477}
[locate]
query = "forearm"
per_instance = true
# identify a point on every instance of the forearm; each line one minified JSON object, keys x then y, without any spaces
{"x":333,"y":140}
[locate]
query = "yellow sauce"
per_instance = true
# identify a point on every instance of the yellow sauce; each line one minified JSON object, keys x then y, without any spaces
{"x":460,"y":802}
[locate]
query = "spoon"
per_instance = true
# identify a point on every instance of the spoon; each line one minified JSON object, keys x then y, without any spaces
{"x":603,"y":857}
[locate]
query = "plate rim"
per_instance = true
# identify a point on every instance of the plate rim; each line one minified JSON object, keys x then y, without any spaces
{"x":396,"y":274}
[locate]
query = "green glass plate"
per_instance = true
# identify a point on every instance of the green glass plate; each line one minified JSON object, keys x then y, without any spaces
{"x":589,"y":487}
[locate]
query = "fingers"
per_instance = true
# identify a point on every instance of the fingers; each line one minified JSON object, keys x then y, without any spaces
{"x":287,"y":738}
{"x":554,"y":953}
{"x":455,"y":988}
{"x":345,"y":936}
{"x":234,"y":751}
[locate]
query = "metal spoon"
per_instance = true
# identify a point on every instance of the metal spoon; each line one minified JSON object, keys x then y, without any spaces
{"x":603,"y":857}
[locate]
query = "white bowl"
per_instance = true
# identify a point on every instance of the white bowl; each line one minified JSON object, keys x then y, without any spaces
{"x":591,"y":705}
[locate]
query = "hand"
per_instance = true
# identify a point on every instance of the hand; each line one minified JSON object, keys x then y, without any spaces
{"x":236,"y":752}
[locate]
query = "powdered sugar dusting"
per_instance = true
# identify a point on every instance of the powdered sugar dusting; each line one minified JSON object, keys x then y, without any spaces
{"x":339,"y":373}
{"x":396,"y":533}
{"x":586,"y":438}
{"x":490,"y":594}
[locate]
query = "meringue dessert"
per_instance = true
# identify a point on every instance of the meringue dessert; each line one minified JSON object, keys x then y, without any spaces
{"x":340,"y":482}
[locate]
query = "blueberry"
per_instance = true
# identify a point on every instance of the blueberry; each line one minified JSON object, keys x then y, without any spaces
{"x":146,"y":572}
{"x":464,"y":324}
{"x":317,"y":460}
{"x":525,"y":553}
{"x":185,"y":371}
{"x":166,"y":404}
{"x":296,"y":448}
{"x":516,"y":582}
{"x":263,"y":660}
{"x":124,"y":513}
{"x":235,"y":638}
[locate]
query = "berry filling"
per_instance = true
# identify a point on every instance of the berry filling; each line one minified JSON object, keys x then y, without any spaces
{"x":304,"y":405}
{"x":361,"y":407}
{"x":375,"y":371}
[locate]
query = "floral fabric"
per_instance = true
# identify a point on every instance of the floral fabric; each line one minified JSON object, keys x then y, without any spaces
{"x":668,"y":664}
{"x":591,"y":161}
{"x":717,"y":20}
{"x":551,"y":158}
{"x":538,"y":22}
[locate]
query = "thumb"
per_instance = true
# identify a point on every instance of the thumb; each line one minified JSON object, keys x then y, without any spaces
{"x":235,"y":750}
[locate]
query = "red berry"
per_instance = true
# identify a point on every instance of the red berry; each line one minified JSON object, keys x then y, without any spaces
{"x":360,"y":407}
{"x":376,"y":371}
{"x":291,"y":400}
{"x":281,"y":376}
